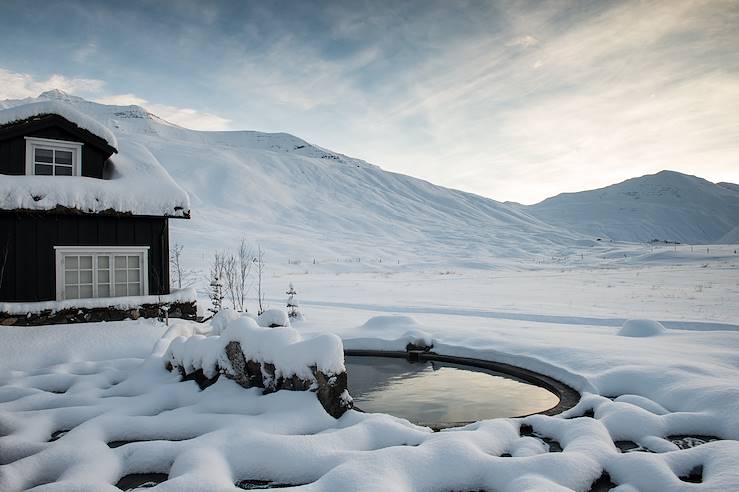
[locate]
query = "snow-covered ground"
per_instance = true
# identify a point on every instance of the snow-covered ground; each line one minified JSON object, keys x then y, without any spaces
{"x":383,"y":259}
{"x":102,"y":383}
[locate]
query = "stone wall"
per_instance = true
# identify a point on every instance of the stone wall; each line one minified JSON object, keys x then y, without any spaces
{"x":184,"y":310}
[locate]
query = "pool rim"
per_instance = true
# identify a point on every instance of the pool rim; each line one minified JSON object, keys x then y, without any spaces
{"x":568,"y":396}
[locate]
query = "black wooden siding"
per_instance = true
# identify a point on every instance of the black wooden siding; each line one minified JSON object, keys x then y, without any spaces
{"x":29,"y":239}
{"x":13,"y":152}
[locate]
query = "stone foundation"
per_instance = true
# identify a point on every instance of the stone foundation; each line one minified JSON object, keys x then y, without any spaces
{"x":184,"y":310}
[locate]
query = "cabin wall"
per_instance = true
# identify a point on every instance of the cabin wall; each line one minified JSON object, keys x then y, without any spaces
{"x":13,"y":153}
{"x":27,"y":243}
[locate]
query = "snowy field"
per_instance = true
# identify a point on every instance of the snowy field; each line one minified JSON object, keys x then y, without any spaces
{"x":106,"y":385}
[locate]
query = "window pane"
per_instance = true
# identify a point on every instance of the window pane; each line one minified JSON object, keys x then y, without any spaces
{"x":63,"y":170}
{"x":63,"y":157}
{"x":120,"y":290}
{"x":85,"y":291}
{"x":44,"y":155}
{"x":103,"y":290}
{"x":103,"y":276}
{"x":133,"y":275}
{"x":43,"y":169}
{"x":70,"y":262}
{"x":103,"y":261}
{"x":71,"y":278}
{"x":120,"y":275}
{"x":86,"y":262}
{"x":133,"y":262}
{"x":120,"y":262}
{"x":133,"y":290}
{"x":85,"y":276}
{"x":71,"y":292}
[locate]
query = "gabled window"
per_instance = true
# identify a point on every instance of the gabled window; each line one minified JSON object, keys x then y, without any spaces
{"x":84,"y":272}
{"x":47,"y":157}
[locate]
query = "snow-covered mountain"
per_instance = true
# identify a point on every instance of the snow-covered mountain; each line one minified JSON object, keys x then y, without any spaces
{"x":303,"y":202}
{"x":667,"y":206}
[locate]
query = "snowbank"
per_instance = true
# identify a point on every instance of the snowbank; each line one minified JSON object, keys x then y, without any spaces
{"x":641,"y":328}
{"x":34,"y":347}
{"x":26,"y":111}
{"x":282,"y":347}
{"x":128,"y":302}
{"x":273,"y":318}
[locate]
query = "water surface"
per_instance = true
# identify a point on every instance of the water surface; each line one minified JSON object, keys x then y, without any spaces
{"x":439,"y":393}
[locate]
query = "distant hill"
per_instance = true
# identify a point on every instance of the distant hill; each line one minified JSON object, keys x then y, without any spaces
{"x":668,"y":206}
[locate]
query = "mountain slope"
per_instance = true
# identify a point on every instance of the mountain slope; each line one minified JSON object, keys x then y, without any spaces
{"x":667,"y":206}
{"x":303,"y":202}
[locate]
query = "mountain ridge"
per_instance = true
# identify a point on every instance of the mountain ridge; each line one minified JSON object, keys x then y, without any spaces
{"x":304,"y":202}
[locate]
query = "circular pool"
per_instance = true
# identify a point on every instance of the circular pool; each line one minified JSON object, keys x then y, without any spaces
{"x":440,"y":391}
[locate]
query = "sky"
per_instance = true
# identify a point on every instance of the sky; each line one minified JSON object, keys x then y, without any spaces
{"x":512,"y":100}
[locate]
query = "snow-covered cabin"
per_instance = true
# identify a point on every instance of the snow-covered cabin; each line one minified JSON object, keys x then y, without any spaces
{"x":82,"y":215}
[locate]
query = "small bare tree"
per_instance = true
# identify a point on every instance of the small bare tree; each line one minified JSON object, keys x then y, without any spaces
{"x":237,"y":272}
{"x":178,"y":272}
{"x":260,"y":273}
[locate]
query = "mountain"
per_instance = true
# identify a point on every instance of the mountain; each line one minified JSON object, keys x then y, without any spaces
{"x":666,"y":206}
{"x":301,"y":201}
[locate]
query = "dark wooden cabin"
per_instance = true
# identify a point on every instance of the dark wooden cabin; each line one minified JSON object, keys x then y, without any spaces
{"x":61,"y":252}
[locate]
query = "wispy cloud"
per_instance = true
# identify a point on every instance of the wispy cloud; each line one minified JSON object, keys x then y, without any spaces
{"x":508,"y":99}
{"x":19,"y":85}
{"x":186,"y":117}
{"x":15,"y":85}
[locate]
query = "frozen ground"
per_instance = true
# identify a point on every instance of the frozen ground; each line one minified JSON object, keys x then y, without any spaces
{"x":125,"y":414}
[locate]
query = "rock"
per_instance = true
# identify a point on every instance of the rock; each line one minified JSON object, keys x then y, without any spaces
{"x":331,"y":390}
{"x":238,"y":364}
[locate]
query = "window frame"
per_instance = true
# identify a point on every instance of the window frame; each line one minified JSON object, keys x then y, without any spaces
{"x":60,"y":252}
{"x":33,"y":143}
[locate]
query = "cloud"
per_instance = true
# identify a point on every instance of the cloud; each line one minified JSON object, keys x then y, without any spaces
{"x":525,"y":41}
{"x":185,"y":117}
{"x":122,"y":100}
{"x":506,"y":99}
{"x":15,"y":85}
{"x":189,"y":118}
{"x":624,"y":90}
{"x":18,"y":85}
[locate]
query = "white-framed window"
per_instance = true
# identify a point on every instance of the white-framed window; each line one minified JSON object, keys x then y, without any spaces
{"x":47,"y":157}
{"x":97,"y":271}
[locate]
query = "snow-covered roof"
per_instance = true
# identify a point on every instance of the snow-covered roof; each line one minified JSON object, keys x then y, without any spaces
{"x":26,"y":111}
{"x":138,"y":184}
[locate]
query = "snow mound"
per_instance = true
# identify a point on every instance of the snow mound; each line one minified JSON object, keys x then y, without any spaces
{"x":221,"y":319}
{"x":272,"y":318}
{"x":641,"y":328}
{"x":283,"y":347}
{"x":26,"y":111}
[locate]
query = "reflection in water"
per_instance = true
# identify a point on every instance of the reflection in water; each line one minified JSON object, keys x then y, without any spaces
{"x":439,"y":393}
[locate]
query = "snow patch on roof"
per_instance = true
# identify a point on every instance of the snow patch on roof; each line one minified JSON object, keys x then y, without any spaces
{"x":26,"y":111}
{"x":138,"y":185}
